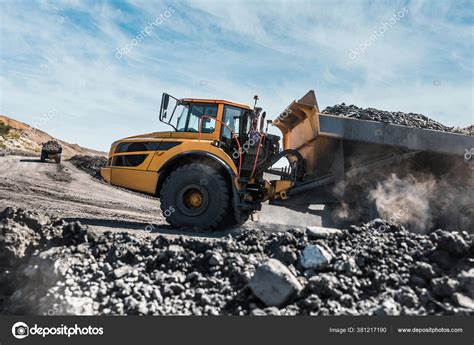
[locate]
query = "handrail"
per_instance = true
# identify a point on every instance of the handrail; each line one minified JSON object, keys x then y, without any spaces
{"x":231,"y":131}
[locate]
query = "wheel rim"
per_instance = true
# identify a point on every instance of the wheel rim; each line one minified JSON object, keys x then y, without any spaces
{"x":193,"y":200}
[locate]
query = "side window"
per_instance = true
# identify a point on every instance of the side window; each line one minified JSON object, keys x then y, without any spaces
{"x":194,"y":119}
{"x":231,"y":118}
{"x":182,"y":119}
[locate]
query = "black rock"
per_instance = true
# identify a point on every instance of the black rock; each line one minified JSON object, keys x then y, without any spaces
{"x":424,"y":270}
{"x":286,"y":255}
{"x":391,"y":117}
{"x":407,"y":297}
{"x":45,"y":261}
{"x":444,"y":287}
{"x":325,"y":285}
{"x":443,"y":259}
{"x":90,"y":164}
{"x":453,"y":244}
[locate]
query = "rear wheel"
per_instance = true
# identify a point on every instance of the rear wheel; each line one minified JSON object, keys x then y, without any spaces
{"x":195,"y":196}
{"x":43,"y":156}
{"x":57,"y":159}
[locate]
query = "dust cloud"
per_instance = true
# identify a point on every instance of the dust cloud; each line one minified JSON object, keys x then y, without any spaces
{"x":407,"y":201}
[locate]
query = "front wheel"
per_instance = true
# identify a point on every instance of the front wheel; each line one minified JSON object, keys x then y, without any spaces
{"x":195,"y":196}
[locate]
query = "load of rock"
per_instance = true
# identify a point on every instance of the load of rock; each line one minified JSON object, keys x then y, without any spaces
{"x":90,"y":164}
{"x":50,"y":267}
{"x":393,"y":117}
{"x":52,"y":146}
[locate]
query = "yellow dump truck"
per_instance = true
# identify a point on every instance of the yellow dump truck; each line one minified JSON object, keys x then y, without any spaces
{"x":208,"y":171}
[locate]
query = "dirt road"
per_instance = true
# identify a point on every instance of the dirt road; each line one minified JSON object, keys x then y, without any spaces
{"x":65,"y":191}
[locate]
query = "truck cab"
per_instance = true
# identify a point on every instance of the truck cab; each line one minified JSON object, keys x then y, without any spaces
{"x":217,"y":141}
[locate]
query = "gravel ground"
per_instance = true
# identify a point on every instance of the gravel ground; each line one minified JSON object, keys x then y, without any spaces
{"x":51,"y":267}
{"x":393,"y":117}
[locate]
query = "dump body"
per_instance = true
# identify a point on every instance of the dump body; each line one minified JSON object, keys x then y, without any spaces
{"x":414,"y":139}
{"x":336,"y":149}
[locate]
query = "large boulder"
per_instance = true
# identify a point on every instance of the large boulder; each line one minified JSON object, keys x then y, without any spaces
{"x":444,"y":286}
{"x":424,"y":270}
{"x":453,"y":243}
{"x":466,"y":279}
{"x":315,"y":257}
{"x":463,"y":301}
{"x":274,"y":284}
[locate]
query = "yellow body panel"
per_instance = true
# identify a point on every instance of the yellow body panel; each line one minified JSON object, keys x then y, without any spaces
{"x":139,"y":180}
{"x":144,"y":177}
{"x":299,"y":124}
{"x":106,"y":174}
{"x":189,"y":146}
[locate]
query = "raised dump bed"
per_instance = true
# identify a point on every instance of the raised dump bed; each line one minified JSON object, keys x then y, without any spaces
{"x":333,"y":145}
{"x":319,"y":136}
{"x":344,"y":157}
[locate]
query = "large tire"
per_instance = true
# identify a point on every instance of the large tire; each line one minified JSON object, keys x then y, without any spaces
{"x":57,"y":159}
{"x":43,"y":156}
{"x":195,"y":196}
{"x":238,"y":219}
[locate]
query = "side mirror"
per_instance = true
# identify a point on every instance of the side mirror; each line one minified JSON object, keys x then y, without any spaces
{"x":166,"y":101}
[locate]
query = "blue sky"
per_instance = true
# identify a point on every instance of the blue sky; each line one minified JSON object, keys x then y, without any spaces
{"x":63,"y":55}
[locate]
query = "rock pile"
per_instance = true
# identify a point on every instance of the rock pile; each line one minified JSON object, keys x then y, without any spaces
{"x":48,"y":266}
{"x":90,"y":164}
{"x":393,"y":117}
{"x":469,"y":130}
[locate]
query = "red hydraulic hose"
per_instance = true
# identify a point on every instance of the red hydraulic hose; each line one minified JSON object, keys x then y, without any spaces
{"x":262,"y":136}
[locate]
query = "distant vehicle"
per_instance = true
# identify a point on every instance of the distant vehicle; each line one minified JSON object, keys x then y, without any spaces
{"x":51,"y":150}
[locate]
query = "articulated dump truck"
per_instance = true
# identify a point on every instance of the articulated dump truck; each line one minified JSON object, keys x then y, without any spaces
{"x":215,"y":168}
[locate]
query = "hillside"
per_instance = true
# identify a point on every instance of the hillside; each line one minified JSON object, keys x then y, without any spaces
{"x":19,"y":138}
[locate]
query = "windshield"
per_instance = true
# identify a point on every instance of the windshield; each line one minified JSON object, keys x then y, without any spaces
{"x":190,"y":116}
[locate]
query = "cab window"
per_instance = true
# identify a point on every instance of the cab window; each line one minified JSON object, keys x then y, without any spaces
{"x":190,"y":118}
{"x":231,"y":118}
